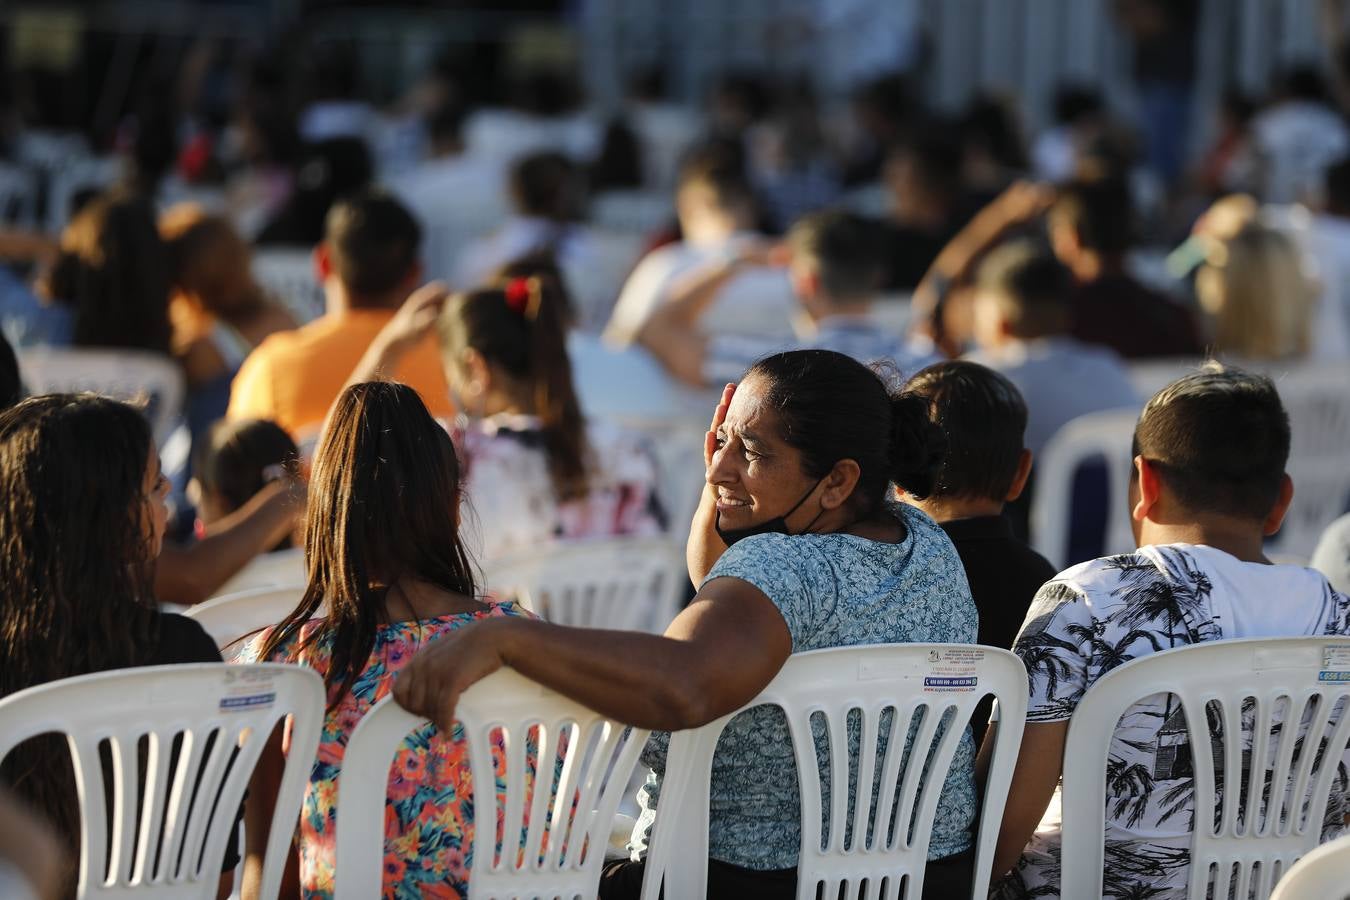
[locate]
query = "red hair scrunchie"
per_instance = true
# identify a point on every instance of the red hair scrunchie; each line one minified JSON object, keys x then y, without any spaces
{"x":517,"y":293}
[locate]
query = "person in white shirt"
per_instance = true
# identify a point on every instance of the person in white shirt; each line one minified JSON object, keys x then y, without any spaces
{"x":1022,"y":320}
{"x":834,"y":264}
{"x":1209,"y":485}
{"x":717,"y":213}
{"x":1295,"y":139}
{"x":1326,"y":239}
{"x":455,"y":195}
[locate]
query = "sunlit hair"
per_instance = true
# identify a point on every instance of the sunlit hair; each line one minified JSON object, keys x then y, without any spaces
{"x":210,"y":262}
{"x":112,"y":270}
{"x":383,"y":499}
{"x":76,"y":571}
{"x":1254,"y":287}
{"x":528,"y":346}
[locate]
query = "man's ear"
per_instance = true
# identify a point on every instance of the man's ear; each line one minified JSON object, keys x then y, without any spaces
{"x":1275,"y":518}
{"x":323,"y":262}
{"x":1150,"y":488}
{"x":1019,"y":482}
{"x":839,"y":484}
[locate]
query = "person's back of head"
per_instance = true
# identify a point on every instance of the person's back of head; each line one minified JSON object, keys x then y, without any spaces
{"x":713,"y":185}
{"x":836,"y":258}
{"x":1092,"y":216}
{"x":924,"y":173}
{"x":542,"y":264}
{"x":210,"y":262}
{"x":1304,"y":83}
{"x":445,"y":128}
{"x":1337,"y":188}
{"x":1214,"y":445}
{"x":1076,"y":104}
{"x":325,"y":172}
{"x":546,"y":186}
{"x":1022,"y":293}
{"x":384,"y":496}
{"x":830,"y":407}
{"x":516,"y":333}
{"x":113,"y":271}
{"x":984,"y":418}
{"x":11,"y":380}
{"x":82,"y":515}
{"x":236,"y":461}
{"x":371,"y":243}
{"x":1258,"y":296}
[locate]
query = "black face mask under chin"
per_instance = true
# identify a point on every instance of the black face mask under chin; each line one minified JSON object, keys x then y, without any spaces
{"x":776,"y":525}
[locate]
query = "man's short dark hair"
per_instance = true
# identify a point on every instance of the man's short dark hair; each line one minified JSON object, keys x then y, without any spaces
{"x":1337,"y":179}
{"x":719,"y":165}
{"x":372,"y":242}
{"x":546,"y":185}
{"x":1099,"y":212}
{"x":1032,"y":287}
{"x":1219,"y":439}
{"x":845,"y":250}
{"x":984,"y":419}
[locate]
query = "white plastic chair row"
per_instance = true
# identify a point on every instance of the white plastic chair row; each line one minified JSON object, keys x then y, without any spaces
{"x":132,"y":376}
{"x":1324,"y":874}
{"x":289,"y":276}
{"x":231,"y":617}
{"x":171,"y":809}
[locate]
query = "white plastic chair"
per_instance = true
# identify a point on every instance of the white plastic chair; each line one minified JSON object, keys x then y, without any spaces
{"x":280,"y":568}
{"x":624,"y":583}
{"x":677,"y":445}
{"x":901,"y":688}
{"x":230,"y":617}
{"x":1323,"y":874}
{"x":1105,"y":434}
{"x":558,"y":851}
{"x":632,"y":211}
{"x":129,"y":375}
{"x":289,"y":276}
{"x":182,"y":799}
{"x":1317,"y":399}
{"x":1278,"y":681}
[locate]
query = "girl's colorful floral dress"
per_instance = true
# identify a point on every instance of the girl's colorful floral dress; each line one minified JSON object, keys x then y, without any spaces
{"x":428,"y":822}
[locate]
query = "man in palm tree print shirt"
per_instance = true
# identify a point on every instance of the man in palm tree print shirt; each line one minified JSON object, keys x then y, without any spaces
{"x":1209,"y":485}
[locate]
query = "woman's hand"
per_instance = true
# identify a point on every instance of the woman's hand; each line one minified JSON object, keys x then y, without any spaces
{"x":413,"y":321}
{"x":718,"y":419}
{"x":431,"y":684}
{"x":704,"y":546}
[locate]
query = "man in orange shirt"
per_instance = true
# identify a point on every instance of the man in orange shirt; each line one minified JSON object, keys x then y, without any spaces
{"x":368,"y":263}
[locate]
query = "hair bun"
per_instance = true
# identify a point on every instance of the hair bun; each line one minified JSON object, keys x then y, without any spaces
{"x":918,"y":445}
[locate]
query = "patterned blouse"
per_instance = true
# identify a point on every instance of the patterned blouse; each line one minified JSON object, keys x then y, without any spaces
{"x":512,"y":506}
{"x":833,"y":590}
{"x":428,"y":813}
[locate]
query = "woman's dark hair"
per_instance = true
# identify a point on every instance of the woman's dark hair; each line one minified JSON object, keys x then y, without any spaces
{"x":234,"y":460}
{"x":113,"y":269}
{"x":383,"y":496}
{"x":524,"y":337}
{"x":76,"y":573}
{"x":832,"y":407}
{"x":210,"y":261}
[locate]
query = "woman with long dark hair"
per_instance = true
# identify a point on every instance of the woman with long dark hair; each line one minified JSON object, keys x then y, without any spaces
{"x":537,"y":470}
{"x":82,"y":516}
{"x":389,"y":574}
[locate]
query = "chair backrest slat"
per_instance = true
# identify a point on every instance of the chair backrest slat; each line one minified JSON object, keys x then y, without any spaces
{"x":180,"y":744}
{"x":231,"y":617}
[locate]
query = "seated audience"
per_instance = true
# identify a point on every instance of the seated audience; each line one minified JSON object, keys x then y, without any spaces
{"x":238,"y":460}
{"x":83,"y":518}
{"x":1332,"y":556}
{"x":1327,"y":243}
{"x":1022,"y":322}
{"x":717,"y":215}
{"x":112,"y":277}
{"x":217,"y":310}
{"x":928,"y":206}
{"x":368,"y":263}
{"x":1090,"y":230}
{"x":536,"y":470}
{"x":391,"y":574}
{"x":983,"y":418}
{"x":795,"y":547}
{"x":1297,"y":137}
{"x":325,"y":172}
{"x":835,"y":267}
{"x":1209,"y":486}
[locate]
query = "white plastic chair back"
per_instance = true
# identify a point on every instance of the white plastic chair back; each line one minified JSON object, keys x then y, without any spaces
{"x":230,"y":617}
{"x":555,"y":832}
{"x":280,"y":568}
{"x":1255,"y":690}
{"x":1106,"y":435}
{"x":623,"y":583}
{"x":878,"y":848}
{"x":595,"y":277}
{"x":170,"y":817}
{"x":134,"y":376}
{"x":1323,"y":874}
{"x":634,"y":212}
{"x":1317,"y":399}
{"x":677,"y":445}
{"x":289,"y":276}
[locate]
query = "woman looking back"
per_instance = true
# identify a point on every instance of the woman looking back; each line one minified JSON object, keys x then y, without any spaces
{"x":797,"y":545}
{"x":388,"y":572}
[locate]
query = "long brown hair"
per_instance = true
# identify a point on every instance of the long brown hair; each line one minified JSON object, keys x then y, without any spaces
{"x":520,"y":326}
{"x":76,"y":571}
{"x":382,"y":498}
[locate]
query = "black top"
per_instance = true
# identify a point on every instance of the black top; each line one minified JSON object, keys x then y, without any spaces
{"x":1133,"y":319}
{"x":1004,"y":576}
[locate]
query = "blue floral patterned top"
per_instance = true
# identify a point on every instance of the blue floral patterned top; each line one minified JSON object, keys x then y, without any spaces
{"x":834,"y":590}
